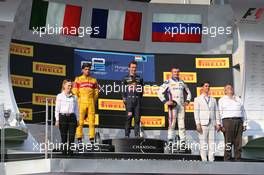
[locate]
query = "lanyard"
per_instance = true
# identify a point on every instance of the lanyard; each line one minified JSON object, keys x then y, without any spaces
{"x":207,"y":101}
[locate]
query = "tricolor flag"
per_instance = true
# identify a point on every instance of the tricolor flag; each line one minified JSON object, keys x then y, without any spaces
{"x":185,"y":28}
{"x":55,"y":15}
{"x":116,"y":24}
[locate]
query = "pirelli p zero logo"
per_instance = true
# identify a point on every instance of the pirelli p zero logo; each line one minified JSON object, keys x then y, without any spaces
{"x":40,"y":99}
{"x":22,"y":81}
{"x":188,"y":108}
{"x":216,"y":92}
{"x":110,"y":104}
{"x":151,"y":91}
{"x":50,"y":69}
{"x":21,"y":49}
{"x":187,"y":77}
{"x":28,"y":113}
{"x":212,"y":63}
{"x":152,"y":121}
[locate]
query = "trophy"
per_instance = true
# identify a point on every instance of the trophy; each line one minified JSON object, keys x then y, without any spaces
{"x":7,"y":114}
{"x":19,"y":117}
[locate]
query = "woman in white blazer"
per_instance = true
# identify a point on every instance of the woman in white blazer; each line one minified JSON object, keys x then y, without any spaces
{"x":207,"y":119}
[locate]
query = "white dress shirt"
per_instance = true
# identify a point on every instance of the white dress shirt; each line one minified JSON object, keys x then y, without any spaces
{"x":231,"y":108}
{"x":66,"y":104}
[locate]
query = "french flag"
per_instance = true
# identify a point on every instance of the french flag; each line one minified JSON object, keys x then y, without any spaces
{"x":186,"y":28}
{"x":116,"y":24}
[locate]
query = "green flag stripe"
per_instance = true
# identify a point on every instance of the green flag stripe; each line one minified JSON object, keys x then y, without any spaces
{"x":38,"y":14}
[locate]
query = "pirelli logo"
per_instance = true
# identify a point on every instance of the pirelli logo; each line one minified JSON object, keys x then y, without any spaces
{"x":187,"y":77}
{"x":86,"y":122}
{"x":110,"y":104}
{"x":188,"y":108}
{"x":28,"y":113}
{"x":22,"y":81}
{"x":40,"y":99}
{"x":152,"y":121}
{"x":216,"y":92}
{"x":21,"y":49}
{"x":151,"y":91}
{"x":50,"y":69}
{"x":212,"y":63}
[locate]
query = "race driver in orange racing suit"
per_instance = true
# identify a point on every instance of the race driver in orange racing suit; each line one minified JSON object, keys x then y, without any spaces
{"x":86,"y":89}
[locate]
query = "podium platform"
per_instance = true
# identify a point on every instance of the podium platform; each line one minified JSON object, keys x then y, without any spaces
{"x":138,"y":145}
{"x":131,"y":166}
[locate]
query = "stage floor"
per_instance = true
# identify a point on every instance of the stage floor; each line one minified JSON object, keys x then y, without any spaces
{"x":114,"y":156}
{"x":111,"y":166}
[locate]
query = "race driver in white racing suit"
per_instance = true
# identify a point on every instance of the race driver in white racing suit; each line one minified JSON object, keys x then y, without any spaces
{"x":171,"y":93}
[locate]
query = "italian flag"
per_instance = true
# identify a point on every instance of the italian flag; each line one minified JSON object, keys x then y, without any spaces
{"x":55,"y":15}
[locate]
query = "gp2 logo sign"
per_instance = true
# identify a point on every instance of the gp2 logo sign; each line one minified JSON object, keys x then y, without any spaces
{"x":98,"y":64}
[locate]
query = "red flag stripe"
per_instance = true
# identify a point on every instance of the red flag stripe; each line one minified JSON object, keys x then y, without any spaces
{"x":72,"y":18}
{"x":132,"y":26}
{"x":186,"y":38}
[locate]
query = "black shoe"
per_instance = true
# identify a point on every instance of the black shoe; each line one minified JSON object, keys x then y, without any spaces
{"x":64,"y":153}
{"x":92,"y":140}
{"x":170,"y":142}
{"x":64,"y":149}
{"x":70,"y":152}
{"x":127,"y":137}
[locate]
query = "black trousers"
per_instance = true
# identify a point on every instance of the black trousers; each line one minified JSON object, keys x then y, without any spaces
{"x":133,"y":107}
{"x":67,"y":126}
{"x":233,"y":129}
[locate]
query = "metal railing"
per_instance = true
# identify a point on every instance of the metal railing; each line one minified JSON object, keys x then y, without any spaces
{"x":47,"y":141}
{"x":49,"y":133}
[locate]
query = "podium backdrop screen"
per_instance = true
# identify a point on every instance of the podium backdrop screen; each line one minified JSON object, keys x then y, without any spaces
{"x":39,"y":69}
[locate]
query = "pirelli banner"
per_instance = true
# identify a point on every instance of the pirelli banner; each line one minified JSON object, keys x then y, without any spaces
{"x":22,"y":81}
{"x":37,"y":71}
{"x":21,"y":49}
{"x":212,"y":63}
{"x":49,"y":69}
